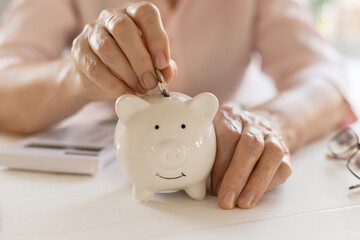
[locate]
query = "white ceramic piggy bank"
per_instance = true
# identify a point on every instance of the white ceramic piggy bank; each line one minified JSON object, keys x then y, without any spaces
{"x":166,"y":143}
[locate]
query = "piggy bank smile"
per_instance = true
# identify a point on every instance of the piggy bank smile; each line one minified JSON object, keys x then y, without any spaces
{"x":166,"y":143}
{"x":170,"y":178}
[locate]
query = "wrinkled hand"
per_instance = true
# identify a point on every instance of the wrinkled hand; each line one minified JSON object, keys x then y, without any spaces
{"x":251,"y":158}
{"x":117,"y":53}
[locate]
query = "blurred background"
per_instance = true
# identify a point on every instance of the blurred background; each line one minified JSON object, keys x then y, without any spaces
{"x":337,"y":20}
{"x":3,"y":3}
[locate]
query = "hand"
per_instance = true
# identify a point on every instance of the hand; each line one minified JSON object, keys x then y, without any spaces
{"x":117,"y":53}
{"x":251,"y":158}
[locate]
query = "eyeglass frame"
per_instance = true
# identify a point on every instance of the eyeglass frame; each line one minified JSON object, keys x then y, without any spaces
{"x":351,"y":148}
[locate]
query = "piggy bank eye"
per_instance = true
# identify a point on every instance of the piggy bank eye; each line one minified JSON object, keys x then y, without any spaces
{"x":157,"y":126}
{"x":183,"y":126}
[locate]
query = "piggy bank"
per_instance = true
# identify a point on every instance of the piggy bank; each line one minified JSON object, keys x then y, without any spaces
{"x":166,"y":144}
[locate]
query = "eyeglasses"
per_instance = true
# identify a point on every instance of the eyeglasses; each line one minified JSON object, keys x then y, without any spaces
{"x":345,"y":145}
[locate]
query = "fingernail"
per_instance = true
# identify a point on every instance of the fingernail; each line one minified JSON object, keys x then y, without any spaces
{"x":160,"y":60}
{"x":149,"y":80}
{"x":229,"y":199}
{"x":247,"y":198}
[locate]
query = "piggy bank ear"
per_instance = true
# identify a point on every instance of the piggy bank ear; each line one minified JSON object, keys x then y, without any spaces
{"x":127,"y":105}
{"x":206,"y":104}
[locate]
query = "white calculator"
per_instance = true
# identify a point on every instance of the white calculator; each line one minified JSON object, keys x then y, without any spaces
{"x":81,"y":149}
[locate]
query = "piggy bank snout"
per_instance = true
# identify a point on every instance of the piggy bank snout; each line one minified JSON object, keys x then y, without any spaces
{"x":172,"y":158}
{"x":171,"y":155}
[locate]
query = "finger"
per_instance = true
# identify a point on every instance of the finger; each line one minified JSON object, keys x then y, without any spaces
{"x":147,"y":17}
{"x":223,"y":157}
{"x":170,"y":72}
{"x":127,"y":36}
{"x":262,"y":174}
{"x":247,"y":153}
{"x":282,"y":173}
{"x":106,"y":48}
{"x":226,"y":145}
{"x":92,"y":67}
{"x":228,"y":131}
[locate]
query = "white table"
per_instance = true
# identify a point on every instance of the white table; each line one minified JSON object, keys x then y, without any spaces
{"x":314,"y":204}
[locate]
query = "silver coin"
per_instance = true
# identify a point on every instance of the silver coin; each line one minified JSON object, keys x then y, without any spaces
{"x":162,"y":84}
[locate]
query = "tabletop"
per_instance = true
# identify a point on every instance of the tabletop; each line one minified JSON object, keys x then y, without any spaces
{"x":314,"y":203}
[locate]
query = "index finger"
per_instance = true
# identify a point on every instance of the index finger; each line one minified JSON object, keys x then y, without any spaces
{"x":147,"y":17}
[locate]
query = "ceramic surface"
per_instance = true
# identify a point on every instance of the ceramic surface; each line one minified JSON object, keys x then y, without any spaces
{"x":166,"y":143}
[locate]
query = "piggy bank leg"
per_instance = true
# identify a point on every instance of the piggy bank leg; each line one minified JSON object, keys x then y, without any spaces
{"x":198,"y":191}
{"x":142,"y":195}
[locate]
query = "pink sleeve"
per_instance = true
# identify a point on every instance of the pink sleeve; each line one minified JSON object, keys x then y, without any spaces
{"x":36,"y":30}
{"x":293,"y":51}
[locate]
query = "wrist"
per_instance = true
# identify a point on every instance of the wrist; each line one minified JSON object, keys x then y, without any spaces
{"x":70,"y":83}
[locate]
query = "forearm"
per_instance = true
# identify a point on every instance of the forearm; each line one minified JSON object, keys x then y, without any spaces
{"x":305,"y":111}
{"x":34,"y":96}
